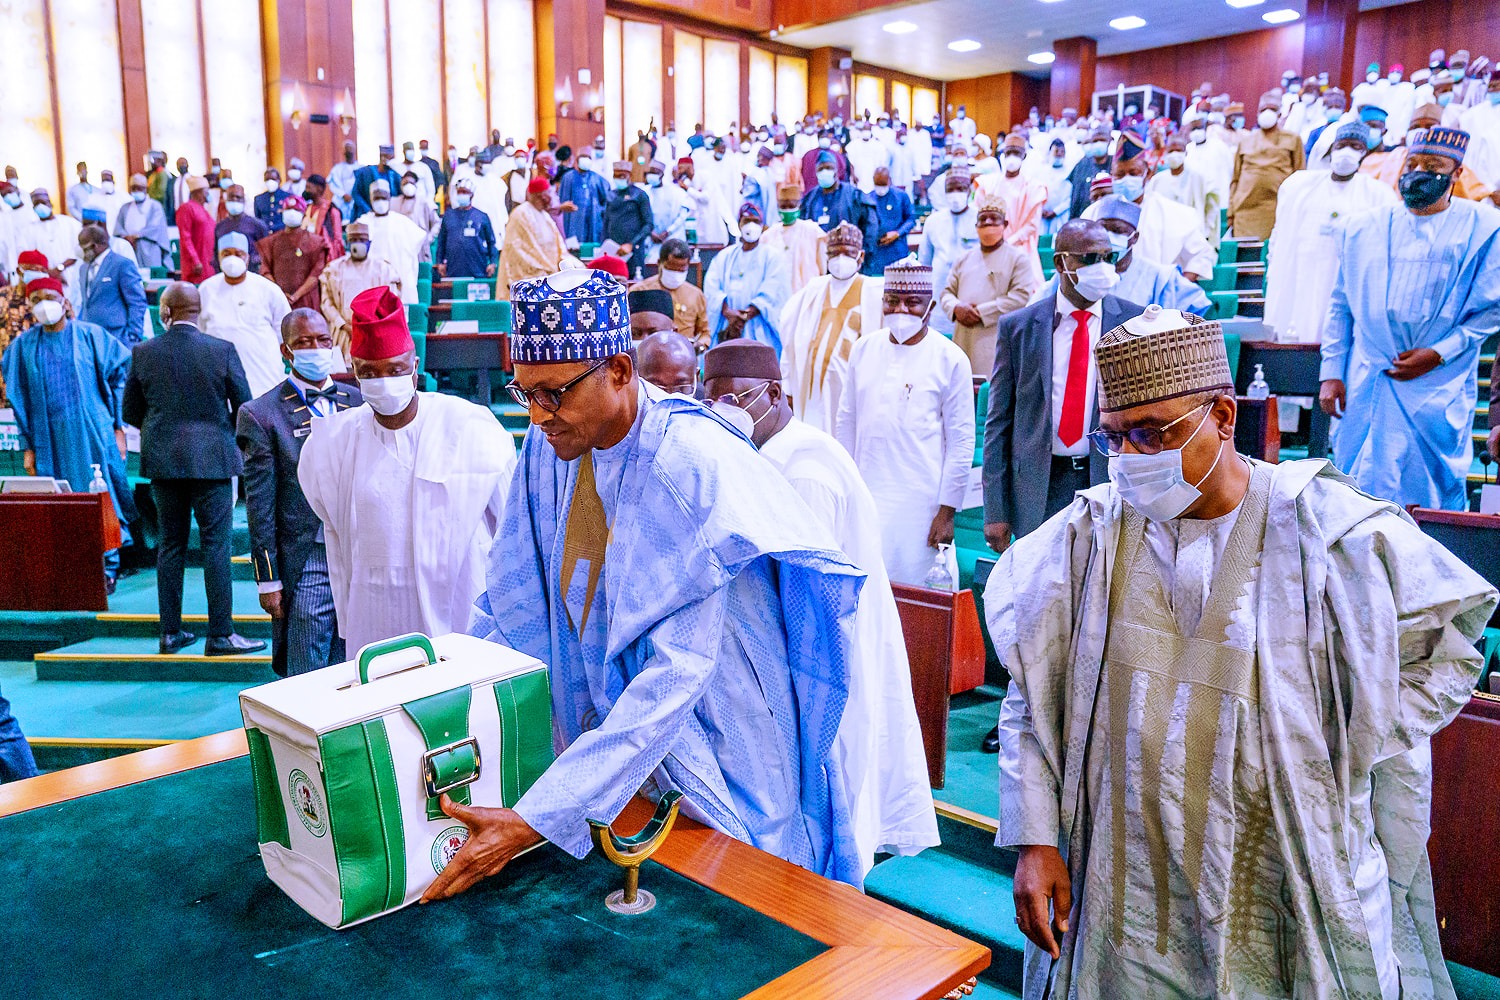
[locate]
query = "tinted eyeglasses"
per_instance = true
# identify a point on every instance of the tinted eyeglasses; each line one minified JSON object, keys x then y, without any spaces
{"x":1103,"y":257}
{"x":549,"y":399}
{"x":1145,"y":440}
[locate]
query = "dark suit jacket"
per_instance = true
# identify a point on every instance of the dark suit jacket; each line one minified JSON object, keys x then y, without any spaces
{"x":183,"y":392}
{"x":268,"y":208}
{"x":271,"y":429}
{"x":1018,"y":429}
{"x":117,"y":299}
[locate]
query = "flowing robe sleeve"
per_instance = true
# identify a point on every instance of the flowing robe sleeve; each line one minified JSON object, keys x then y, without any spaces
{"x":958,"y":429}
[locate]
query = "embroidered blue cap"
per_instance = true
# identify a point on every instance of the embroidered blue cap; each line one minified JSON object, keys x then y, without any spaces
{"x":1440,"y":141}
{"x":574,"y":315}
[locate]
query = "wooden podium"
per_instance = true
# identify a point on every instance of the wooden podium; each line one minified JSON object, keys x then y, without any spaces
{"x":1465,"y":830}
{"x":52,"y":549}
{"x":945,"y":646}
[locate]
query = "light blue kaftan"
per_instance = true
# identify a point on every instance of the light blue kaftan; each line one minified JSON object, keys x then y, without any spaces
{"x":1147,"y":282}
{"x":714,"y":659}
{"x":756,"y":277}
{"x":66,"y":389}
{"x":1407,"y":281}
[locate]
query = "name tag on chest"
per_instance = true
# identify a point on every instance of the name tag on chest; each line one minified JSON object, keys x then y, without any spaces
{"x":301,"y":432}
{"x":470,"y":232}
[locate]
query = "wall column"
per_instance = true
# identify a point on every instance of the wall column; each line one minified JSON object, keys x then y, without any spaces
{"x":830,"y":82}
{"x":1328,"y":40}
{"x":1073,"y":74}
{"x":308,"y":48}
{"x":569,"y":39}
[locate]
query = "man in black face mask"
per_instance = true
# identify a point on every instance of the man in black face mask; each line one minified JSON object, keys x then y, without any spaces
{"x":1417,"y":292}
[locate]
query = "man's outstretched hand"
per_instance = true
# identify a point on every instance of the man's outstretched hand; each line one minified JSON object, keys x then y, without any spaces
{"x":496,"y":836}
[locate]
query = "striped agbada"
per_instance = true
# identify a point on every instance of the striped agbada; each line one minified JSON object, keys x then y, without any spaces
{"x":1169,"y":723}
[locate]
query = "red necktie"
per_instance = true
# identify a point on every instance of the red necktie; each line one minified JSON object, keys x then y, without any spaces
{"x":1070,"y":428}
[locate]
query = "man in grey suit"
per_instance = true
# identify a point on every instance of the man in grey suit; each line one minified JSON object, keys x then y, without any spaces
{"x":286,"y":537}
{"x":1043,"y":400}
{"x":183,"y":391}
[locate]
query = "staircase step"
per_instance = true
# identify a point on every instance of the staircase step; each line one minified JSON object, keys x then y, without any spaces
{"x":137,"y":659}
{"x":964,"y":885}
{"x":240,"y":567}
{"x":57,"y":753}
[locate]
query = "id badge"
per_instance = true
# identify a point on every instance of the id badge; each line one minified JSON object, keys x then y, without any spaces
{"x":470,"y":232}
{"x":823,"y":219}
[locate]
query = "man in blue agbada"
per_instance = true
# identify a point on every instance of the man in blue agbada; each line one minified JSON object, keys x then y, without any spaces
{"x":1417,"y":292}
{"x":746,"y":286}
{"x":66,"y":379}
{"x":695,"y":617}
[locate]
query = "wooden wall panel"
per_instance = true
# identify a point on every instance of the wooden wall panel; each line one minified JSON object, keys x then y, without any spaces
{"x":1245,"y":65}
{"x":1074,"y":73}
{"x":746,"y":15}
{"x":1407,"y":33}
{"x":996,"y":102}
{"x":802,"y":13}
{"x":133,"y":83}
{"x":1328,"y":40}
{"x":303,"y":37}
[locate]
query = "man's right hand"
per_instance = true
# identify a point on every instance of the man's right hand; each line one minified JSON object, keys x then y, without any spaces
{"x":997,"y":536}
{"x":1042,"y":876}
{"x":28,"y":462}
{"x":1331,"y":397}
{"x":967,"y":315}
{"x":270,"y":603}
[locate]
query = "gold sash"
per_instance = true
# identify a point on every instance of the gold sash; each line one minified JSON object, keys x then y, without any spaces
{"x":586,"y":537}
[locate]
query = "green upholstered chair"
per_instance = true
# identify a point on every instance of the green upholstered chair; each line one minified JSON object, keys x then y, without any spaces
{"x":493,"y":317}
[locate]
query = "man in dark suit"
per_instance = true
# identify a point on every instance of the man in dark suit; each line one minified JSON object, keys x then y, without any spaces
{"x":1043,"y":398}
{"x":286,"y":537}
{"x":113,"y":296}
{"x":183,"y":392}
{"x":268,"y":203}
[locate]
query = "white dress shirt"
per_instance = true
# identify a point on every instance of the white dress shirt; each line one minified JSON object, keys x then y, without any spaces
{"x":1062,"y":351}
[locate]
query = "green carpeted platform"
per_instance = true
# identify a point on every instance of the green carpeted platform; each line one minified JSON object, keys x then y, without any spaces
{"x":973,"y":781}
{"x":137,"y":659}
{"x":156,"y":890}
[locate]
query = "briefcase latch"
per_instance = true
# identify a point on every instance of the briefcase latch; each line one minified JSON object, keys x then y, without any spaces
{"x":453,"y":766}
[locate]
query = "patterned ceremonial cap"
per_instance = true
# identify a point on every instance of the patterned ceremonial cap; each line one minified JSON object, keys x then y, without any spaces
{"x":574,"y":315}
{"x":908,"y":276}
{"x":1161,"y":354}
{"x":846,"y":236}
{"x":1449,"y":142}
{"x":989,"y":201}
{"x":1102,"y":184}
{"x":1353,"y":130}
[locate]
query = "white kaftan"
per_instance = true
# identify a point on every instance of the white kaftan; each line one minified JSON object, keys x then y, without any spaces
{"x":397,"y":240}
{"x":408,"y":515}
{"x":907,"y":417}
{"x":248,"y":315}
{"x":879,"y":739}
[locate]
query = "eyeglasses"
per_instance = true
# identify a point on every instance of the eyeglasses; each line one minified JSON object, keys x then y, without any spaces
{"x":1145,"y":440}
{"x":733,"y":398}
{"x":549,"y":399}
{"x":1085,"y":259}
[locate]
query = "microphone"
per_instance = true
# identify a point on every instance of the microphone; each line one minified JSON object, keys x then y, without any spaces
{"x":1485,"y":461}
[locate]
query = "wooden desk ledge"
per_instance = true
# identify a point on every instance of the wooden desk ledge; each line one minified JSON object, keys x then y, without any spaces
{"x":875,"y":951}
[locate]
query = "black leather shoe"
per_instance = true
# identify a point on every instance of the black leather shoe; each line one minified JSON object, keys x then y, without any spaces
{"x":173,"y":641}
{"x":990,"y":743}
{"x":232,"y":644}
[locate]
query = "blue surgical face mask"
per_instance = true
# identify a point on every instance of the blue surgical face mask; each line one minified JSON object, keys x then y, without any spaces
{"x":1119,"y":244}
{"x":43,"y":211}
{"x":620,"y":183}
{"x":1444,"y":99}
{"x":1493,"y":97}
{"x":462,"y":200}
{"x":1130,"y":186}
{"x":1154,"y":484}
{"x":314,"y":364}
{"x":14,"y":200}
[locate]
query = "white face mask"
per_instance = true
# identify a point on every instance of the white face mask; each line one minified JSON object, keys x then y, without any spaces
{"x":291,"y":218}
{"x":271,"y":185}
{"x":1154,"y":485}
{"x":842,"y":267}
{"x":108,"y":187}
{"x":1267,"y":118}
{"x":958,"y":201}
{"x":1345,"y":161}
{"x":1198,"y":135}
{"x":1176,"y":159}
{"x":1095,"y":281}
{"x":138,"y":196}
{"x":1011,"y":163}
{"x":235,"y":207}
{"x":750,"y":232}
{"x":234,"y":267}
{"x":671,"y":279}
{"x":388,"y":396}
{"x":825,"y":178}
{"x":411,"y":156}
{"x":904,"y":326}
{"x":381,"y":205}
{"x":409,"y":190}
{"x":735,"y":416}
{"x":47,"y":312}
{"x":294,"y":174}
{"x":882,"y":189}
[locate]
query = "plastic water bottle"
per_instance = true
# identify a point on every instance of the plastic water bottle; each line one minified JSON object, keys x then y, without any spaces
{"x":97,"y":484}
{"x":939,"y":577}
{"x":1259,"y":389}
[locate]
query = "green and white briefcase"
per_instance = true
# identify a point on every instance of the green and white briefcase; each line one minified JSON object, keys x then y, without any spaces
{"x":348,"y":765}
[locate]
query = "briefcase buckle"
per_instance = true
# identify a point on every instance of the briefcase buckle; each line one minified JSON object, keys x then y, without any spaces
{"x":430,"y":771}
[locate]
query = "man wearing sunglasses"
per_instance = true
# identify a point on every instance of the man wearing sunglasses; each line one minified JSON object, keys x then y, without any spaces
{"x":695,"y":617}
{"x":1222,"y":672}
{"x":409,"y":487}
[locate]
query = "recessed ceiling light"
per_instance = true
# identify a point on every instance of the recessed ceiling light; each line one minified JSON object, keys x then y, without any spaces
{"x":1127,"y":23}
{"x":964,"y":45}
{"x":1280,"y":16}
{"x":902,"y":27}
{"x":1041,"y":58}
{"x":1049,"y":1}
{"x":1244,"y":3}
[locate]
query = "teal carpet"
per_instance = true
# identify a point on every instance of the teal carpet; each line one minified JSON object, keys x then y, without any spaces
{"x":972,"y":781}
{"x":118,"y":709}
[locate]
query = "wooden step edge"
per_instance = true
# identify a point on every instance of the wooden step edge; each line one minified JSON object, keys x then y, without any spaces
{"x":968,"y":817}
{"x":99,"y":742}
{"x":123,"y":617}
{"x":57,"y":656}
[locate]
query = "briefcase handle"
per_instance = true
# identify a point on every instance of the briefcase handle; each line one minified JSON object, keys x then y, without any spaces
{"x":397,"y":644}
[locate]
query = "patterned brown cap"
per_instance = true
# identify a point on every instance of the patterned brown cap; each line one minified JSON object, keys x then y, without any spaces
{"x":846,"y":236}
{"x":907,"y":276}
{"x":1161,"y":354}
